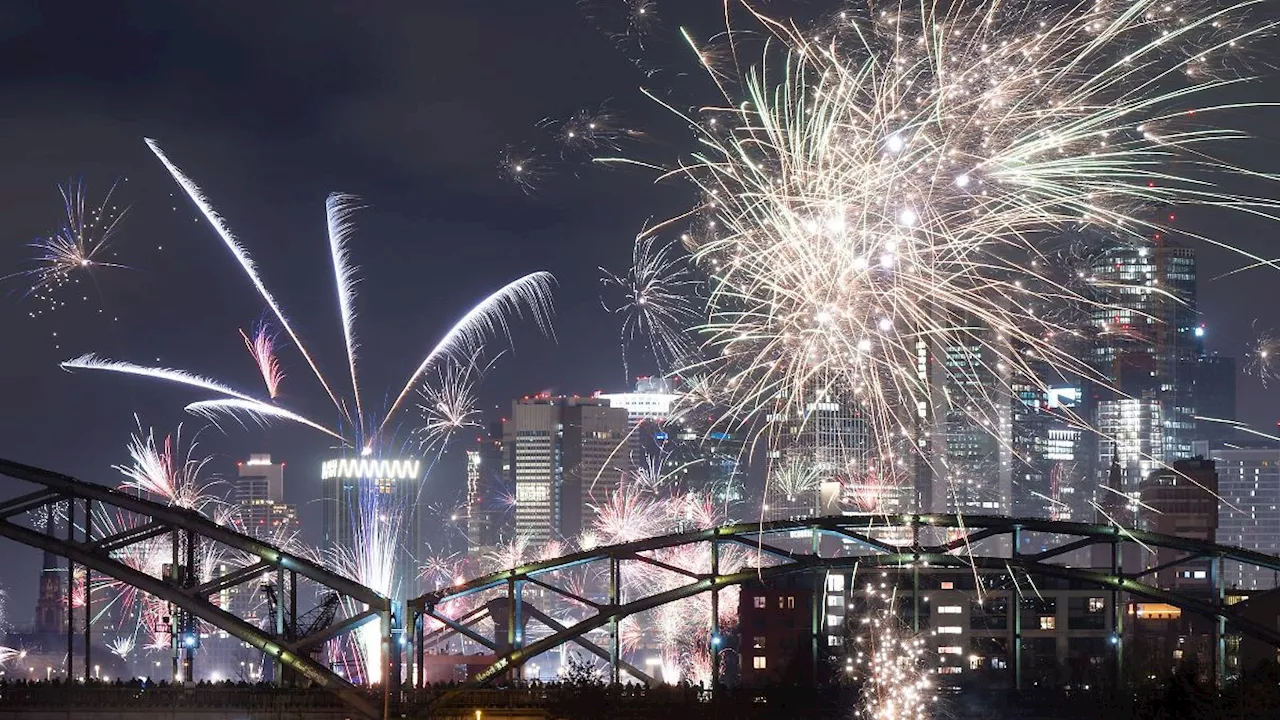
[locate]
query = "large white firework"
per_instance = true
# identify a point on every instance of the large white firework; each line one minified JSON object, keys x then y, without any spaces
{"x":887,"y":185}
{"x":528,"y":295}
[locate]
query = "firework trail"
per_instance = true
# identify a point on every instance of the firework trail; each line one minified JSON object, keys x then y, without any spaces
{"x":886,"y":185}
{"x":654,"y":299}
{"x":262,"y":347}
{"x":527,"y":295}
{"x":75,"y":249}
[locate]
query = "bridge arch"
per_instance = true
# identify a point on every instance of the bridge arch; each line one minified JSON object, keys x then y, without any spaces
{"x":96,"y":554}
{"x":938,"y":540}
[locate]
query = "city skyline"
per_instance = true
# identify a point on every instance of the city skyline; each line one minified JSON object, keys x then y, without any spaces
{"x":885,"y":329}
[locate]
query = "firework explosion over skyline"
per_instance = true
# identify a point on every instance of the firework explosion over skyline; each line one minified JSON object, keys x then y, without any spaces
{"x":855,"y":188}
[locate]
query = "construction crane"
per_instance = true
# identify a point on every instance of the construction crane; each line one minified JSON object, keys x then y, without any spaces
{"x":316,"y":620}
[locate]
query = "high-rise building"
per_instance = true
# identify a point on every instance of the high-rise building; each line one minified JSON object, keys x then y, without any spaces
{"x":1183,"y":500}
{"x":973,"y":449}
{"x":1148,"y":344}
{"x":258,"y":491}
{"x":1249,"y":510}
{"x":1213,"y":379}
{"x":370,"y":500}
{"x":477,"y":520}
{"x":568,"y":455}
{"x":688,"y":454}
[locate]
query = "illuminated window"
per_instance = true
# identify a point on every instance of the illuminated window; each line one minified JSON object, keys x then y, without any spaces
{"x":835,"y":583}
{"x":834,"y":641}
{"x":835,"y":601}
{"x":757,"y":642}
{"x":1097,"y":605}
{"x":948,"y":585}
{"x":791,"y":602}
{"x":758,"y":662}
{"x":949,"y":650}
{"x":1048,"y":622}
{"x":949,"y":610}
{"x":759,"y":601}
{"x":949,"y":670}
{"x":949,"y":630}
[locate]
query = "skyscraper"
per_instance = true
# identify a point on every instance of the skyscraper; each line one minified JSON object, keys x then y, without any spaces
{"x":1249,"y":510}
{"x":1184,"y":503}
{"x":1148,"y":345}
{"x":258,"y":491}
{"x":686,"y":454}
{"x":369,"y":502}
{"x":568,"y":455}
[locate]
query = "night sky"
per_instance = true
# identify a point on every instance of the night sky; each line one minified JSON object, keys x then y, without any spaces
{"x":270,"y":106}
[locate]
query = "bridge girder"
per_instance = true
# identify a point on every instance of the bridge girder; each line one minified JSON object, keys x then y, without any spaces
{"x":956,"y":551}
{"x":98,"y":556}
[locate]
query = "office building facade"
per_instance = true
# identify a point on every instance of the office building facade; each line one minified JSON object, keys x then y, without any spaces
{"x":568,"y":456}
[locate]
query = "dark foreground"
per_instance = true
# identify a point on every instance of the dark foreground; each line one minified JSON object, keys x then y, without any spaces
{"x":1256,"y":695}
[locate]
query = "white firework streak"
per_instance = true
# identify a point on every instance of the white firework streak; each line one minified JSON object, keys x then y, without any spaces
{"x":91,"y":361}
{"x":242,"y":256}
{"x":255,"y":410}
{"x":338,"y":210}
{"x":530,"y":294}
{"x":485,"y":320}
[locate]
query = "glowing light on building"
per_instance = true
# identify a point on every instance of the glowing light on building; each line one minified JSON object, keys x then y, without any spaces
{"x":371,"y":469}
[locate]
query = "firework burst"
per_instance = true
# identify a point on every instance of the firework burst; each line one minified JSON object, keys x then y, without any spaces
{"x":891,"y":664}
{"x":1263,"y":357}
{"x":262,"y":347}
{"x":79,"y":247}
{"x":165,"y":470}
{"x":654,"y":299}
{"x":449,"y":402}
{"x":889,"y":185}
{"x":527,"y":295}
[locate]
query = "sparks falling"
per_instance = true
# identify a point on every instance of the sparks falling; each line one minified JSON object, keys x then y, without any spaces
{"x":885,"y":185}
{"x":72,"y":253}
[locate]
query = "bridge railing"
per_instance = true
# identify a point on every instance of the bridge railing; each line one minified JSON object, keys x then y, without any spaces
{"x":47,"y":696}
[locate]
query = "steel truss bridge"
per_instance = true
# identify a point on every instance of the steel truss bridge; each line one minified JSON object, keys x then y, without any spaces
{"x":183,"y":588}
{"x":777,"y":549}
{"x":816,"y":546}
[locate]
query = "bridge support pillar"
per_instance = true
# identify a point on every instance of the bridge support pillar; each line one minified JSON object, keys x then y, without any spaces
{"x":614,"y":639}
{"x":1016,"y":598}
{"x":716,"y":640}
{"x":1220,"y":623}
{"x":71,"y":588}
{"x":1117,"y":609}
{"x":88,"y":586}
{"x":175,"y":631}
{"x":515,"y":623}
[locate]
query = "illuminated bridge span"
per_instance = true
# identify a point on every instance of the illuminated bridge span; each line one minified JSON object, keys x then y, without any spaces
{"x":814,"y":546}
{"x":184,"y":589}
{"x":903,"y":543}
